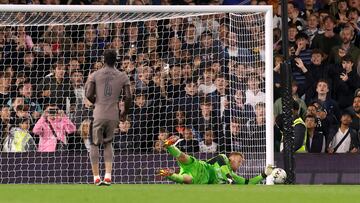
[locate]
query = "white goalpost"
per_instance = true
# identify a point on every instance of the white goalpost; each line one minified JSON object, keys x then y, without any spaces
{"x":203,"y":73}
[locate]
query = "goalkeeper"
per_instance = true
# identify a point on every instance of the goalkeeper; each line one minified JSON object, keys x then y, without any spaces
{"x":218,"y":170}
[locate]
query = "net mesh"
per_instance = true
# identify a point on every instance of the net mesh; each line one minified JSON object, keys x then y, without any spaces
{"x":196,"y":75}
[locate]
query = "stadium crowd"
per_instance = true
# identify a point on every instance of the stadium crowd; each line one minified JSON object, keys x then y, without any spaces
{"x":195,"y":77}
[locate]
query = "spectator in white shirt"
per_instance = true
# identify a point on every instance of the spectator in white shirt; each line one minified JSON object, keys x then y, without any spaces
{"x":343,"y":138}
{"x":208,"y":86}
{"x":208,"y":145}
{"x":254,"y":93}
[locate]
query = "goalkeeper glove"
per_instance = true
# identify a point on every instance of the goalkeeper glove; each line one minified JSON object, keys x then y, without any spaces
{"x":268,"y":170}
{"x":165,"y":172}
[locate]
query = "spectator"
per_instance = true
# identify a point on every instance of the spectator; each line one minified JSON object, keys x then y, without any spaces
{"x":90,"y":38}
{"x":144,"y":82}
{"x":278,"y":60}
{"x":207,"y":87}
{"x":324,"y":99}
{"x":239,"y":108}
{"x":354,"y":4}
{"x":254,"y":94}
{"x":20,"y":78}
{"x":322,"y":119}
{"x":125,"y":140}
{"x":207,"y":120}
{"x":19,"y":112}
{"x":4,"y":123}
{"x":254,"y":128}
{"x":163,"y":134}
{"x":84,"y":131}
{"x":309,"y":8}
{"x":158,"y":147}
{"x":151,"y":28}
{"x":23,"y":40}
{"x":175,"y":85}
{"x":189,"y":144}
{"x":346,"y":83}
{"x":343,"y":138}
{"x":353,"y":16}
{"x":296,"y":17}
{"x":277,"y":17}
{"x":234,"y":50}
{"x":295,"y":96}
{"x":208,"y":145}
{"x":77,"y":82}
{"x":346,"y":48}
{"x":167,"y":31}
{"x":355,"y":111}
{"x":25,"y":90}
{"x":220,"y":97}
{"x":223,"y":35}
{"x":19,"y":138}
{"x":52,"y":129}
{"x":209,"y":49}
{"x":178,"y":122}
{"x":190,"y":101}
{"x":316,"y":140}
{"x":299,"y":129}
{"x":73,"y":66}
{"x":157,"y":89}
{"x":326,"y":41}
{"x":315,"y":71}
{"x":153,"y":49}
{"x":128,"y":66}
{"x":206,"y":24}
{"x":302,"y":50}
{"x":312,"y":27}
{"x":187,"y":71}
{"x":142,"y":119}
{"x":133,"y":40}
{"x":32,"y":67}
{"x":103,"y":36}
{"x":5,"y":83}
{"x":175,"y":53}
{"x":190,"y":39}
{"x":292,"y":32}
{"x":83,"y":111}
{"x":56,"y":88}
{"x":342,"y":8}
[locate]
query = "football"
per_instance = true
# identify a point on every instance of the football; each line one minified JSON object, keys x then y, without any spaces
{"x":279,"y":175}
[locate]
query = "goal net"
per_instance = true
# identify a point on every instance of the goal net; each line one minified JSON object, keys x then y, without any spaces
{"x":201,"y":73}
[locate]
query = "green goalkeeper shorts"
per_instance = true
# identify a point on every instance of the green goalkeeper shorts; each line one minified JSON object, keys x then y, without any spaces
{"x":199,"y":170}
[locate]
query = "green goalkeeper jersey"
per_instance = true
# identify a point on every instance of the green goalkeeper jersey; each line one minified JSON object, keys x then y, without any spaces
{"x":222,"y":172}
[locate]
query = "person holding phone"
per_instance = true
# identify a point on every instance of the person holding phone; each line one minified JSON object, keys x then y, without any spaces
{"x":52,"y":128}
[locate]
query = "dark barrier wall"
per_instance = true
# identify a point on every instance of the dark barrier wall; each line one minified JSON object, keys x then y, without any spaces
{"x":68,"y":167}
{"x":325,"y":168}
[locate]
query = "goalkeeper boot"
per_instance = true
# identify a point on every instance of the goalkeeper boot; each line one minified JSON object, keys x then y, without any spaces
{"x":107,"y":181}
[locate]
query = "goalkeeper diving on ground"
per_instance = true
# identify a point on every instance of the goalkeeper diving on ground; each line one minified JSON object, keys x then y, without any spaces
{"x":220,"y":169}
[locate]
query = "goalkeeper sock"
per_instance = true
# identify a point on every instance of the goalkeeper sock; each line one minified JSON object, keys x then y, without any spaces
{"x":174,"y":151}
{"x":176,"y":178}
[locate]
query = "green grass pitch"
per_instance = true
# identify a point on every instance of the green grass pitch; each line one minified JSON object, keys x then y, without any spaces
{"x":178,"y":193}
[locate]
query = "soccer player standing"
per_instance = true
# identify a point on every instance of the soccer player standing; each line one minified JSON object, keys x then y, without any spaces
{"x":103,"y":89}
{"x":218,"y":170}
